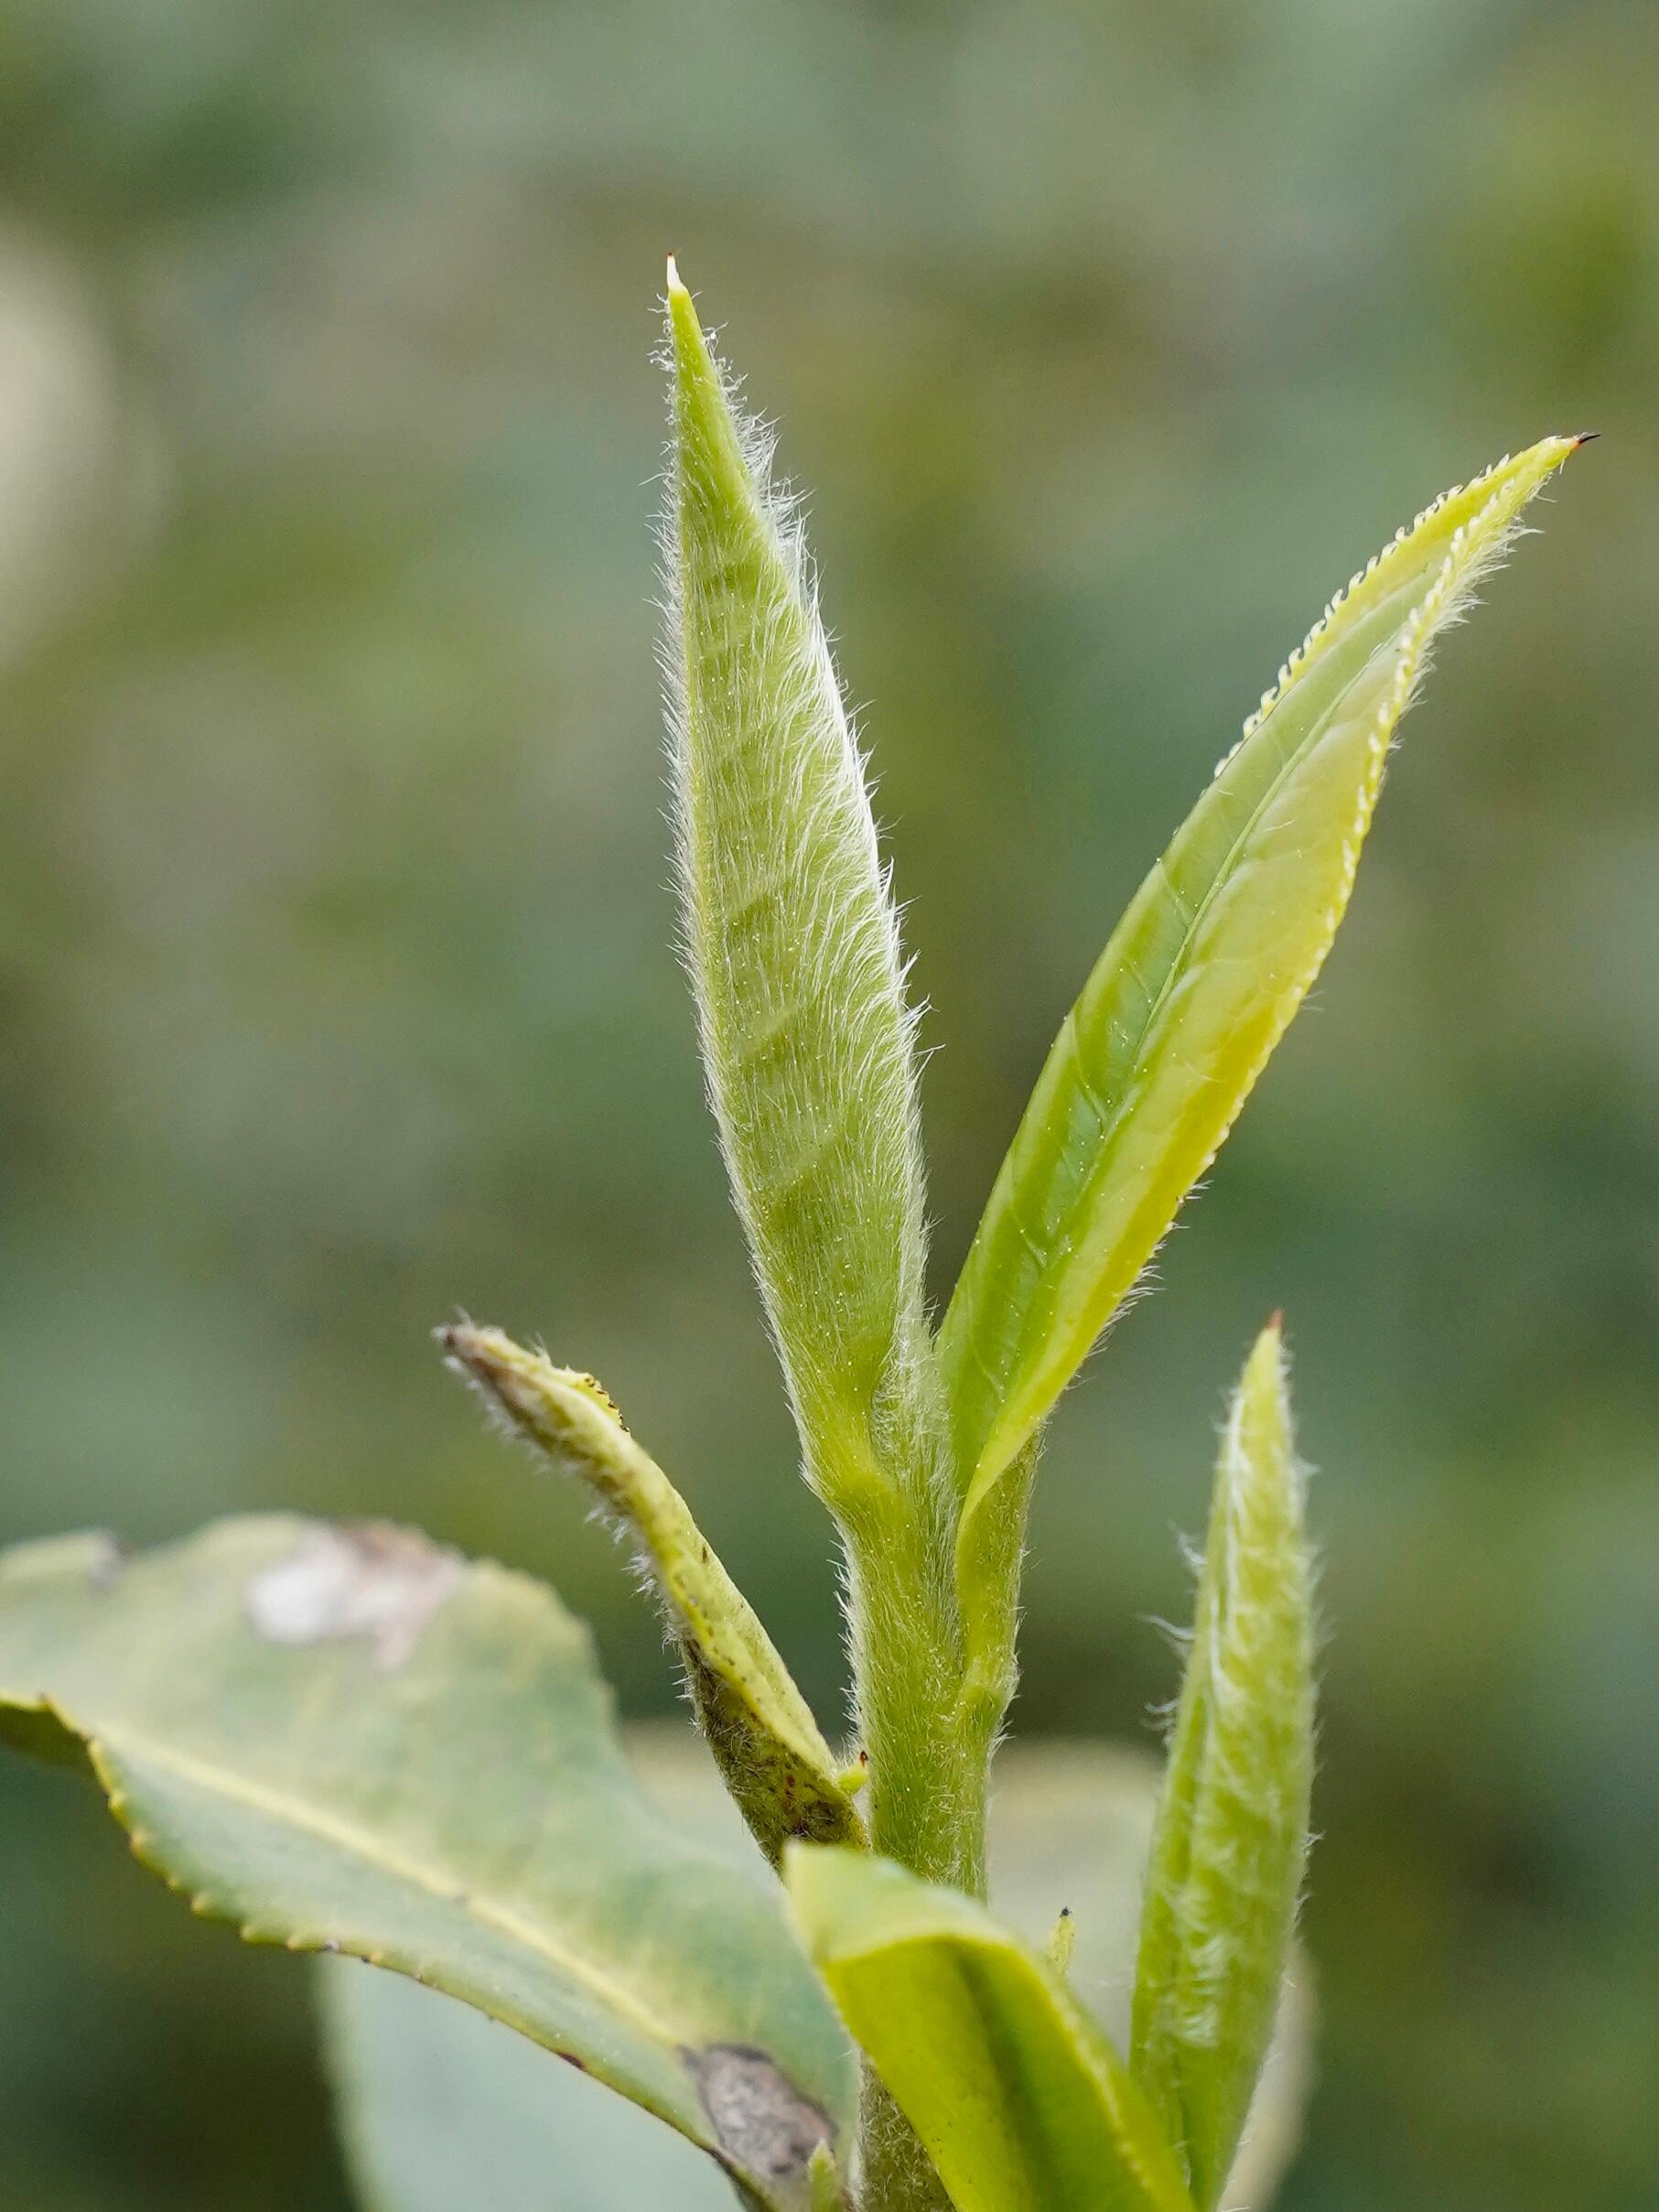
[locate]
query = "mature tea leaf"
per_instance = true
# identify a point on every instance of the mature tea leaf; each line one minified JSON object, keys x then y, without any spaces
{"x":347,"y":1739}
{"x":776,"y":1763}
{"x":1019,"y":2098}
{"x":793,"y":947}
{"x":1230,"y":1839}
{"x":1190,"y":997}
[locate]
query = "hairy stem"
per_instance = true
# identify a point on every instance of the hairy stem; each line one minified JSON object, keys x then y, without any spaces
{"x":927,"y":1788}
{"x":928,"y":1777}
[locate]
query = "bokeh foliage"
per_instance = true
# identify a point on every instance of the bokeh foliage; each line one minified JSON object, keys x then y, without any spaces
{"x":334,"y":987}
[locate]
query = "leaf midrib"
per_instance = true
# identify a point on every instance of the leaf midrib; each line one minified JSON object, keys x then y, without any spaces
{"x":347,"y":1836}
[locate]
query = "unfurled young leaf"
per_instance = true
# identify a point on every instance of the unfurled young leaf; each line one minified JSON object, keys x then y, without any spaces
{"x":781,"y":1772}
{"x":1018,"y":2096}
{"x":793,"y":948}
{"x":1190,"y":997}
{"x":348,"y":1739}
{"x":1230,"y":1837}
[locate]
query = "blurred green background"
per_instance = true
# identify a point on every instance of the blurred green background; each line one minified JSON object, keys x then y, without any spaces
{"x":334,"y":989}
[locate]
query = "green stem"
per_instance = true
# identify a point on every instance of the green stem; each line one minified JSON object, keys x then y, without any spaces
{"x":927,"y":1786}
{"x":927,"y":1774}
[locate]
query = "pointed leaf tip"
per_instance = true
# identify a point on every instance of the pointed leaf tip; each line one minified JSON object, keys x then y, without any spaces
{"x":1265,"y":1369}
{"x":792,"y":944}
{"x":676,"y":282}
{"x":1179,"y":1017}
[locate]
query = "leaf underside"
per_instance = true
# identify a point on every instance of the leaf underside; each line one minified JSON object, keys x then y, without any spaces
{"x":347,"y":1739}
{"x":440,"y":2110}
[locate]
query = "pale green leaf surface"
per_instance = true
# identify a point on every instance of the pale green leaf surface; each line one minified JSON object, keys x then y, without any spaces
{"x":793,"y":947}
{"x":1230,"y":1839}
{"x":349,"y":1739}
{"x":781,"y":1772}
{"x":442,"y":2110}
{"x":1198,"y":983}
{"x":1020,"y":2100}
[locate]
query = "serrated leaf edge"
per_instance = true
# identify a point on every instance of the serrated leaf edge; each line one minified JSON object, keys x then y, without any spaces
{"x":1459,"y":573}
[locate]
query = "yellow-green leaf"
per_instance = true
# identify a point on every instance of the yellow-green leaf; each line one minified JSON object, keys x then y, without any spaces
{"x":1190,"y":997}
{"x":779,"y":1770}
{"x":1230,"y":1837}
{"x":347,"y":1739}
{"x":1020,"y":2100}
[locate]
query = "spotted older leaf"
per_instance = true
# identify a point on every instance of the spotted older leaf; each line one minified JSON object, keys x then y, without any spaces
{"x":348,"y":1739}
{"x":1194,"y":990}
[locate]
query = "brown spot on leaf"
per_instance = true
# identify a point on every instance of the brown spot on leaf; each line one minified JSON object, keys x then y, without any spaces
{"x":368,"y":1580}
{"x":761,"y":2120}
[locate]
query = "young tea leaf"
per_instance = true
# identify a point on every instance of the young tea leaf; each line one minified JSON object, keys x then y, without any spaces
{"x":1190,"y":997}
{"x":793,"y":948}
{"x":1230,"y":1837}
{"x":1072,"y":1822}
{"x":1019,"y":2098}
{"x":347,"y":1739}
{"x":781,"y":1772}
